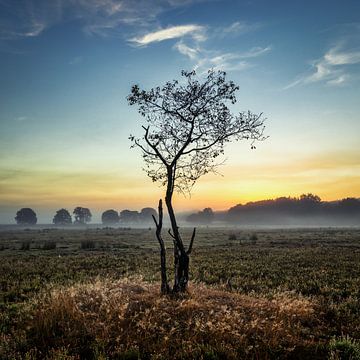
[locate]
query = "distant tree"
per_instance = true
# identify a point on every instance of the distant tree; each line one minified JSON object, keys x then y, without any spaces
{"x":26,"y":216}
{"x":82,"y":215}
{"x":146,"y":214}
{"x":110,"y":217}
{"x":129,"y":216}
{"x":310,"y":198}
{"x":350,"y":203}
{"x":205,"y":216}
{"x":188,"y":125}
{"x":62,"y":217}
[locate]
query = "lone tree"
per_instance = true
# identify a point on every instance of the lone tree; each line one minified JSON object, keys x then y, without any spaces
{"x":82,"y":215}
{"x":62,"y":217}
{"x":26,"y":216}
{"x":110,"y":217}
{"x":188,"y":125}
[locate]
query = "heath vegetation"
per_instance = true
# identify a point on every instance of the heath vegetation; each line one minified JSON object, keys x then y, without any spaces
{"x":289,"y":294}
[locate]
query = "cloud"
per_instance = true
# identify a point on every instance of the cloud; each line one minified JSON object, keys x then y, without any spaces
{"x":27,"y":18}
{"x":21,"y":118}
{"x":30,"y":18}
{"x":187,"y":50}
{"x":225,"y":62}
{"x":238,"y":28}
{"x":76,"y":60}
{"x":174,"y":32}
{"x":228,"y":61}
{"x":255,"y":52}
{"x":336,"y":57}
{"x":191,"y":45}
{"x":332,"y":68}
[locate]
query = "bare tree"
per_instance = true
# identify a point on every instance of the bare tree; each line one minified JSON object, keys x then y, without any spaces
{"x":188,"y":124}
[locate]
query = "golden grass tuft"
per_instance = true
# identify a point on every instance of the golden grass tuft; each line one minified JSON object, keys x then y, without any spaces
{"x":114,"y":318}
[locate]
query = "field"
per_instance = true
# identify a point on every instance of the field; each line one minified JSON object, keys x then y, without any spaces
{"x":93,"y":293}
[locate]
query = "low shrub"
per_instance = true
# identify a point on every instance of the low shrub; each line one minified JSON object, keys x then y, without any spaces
{"x":253,"y":238}
{"x":25,"y":245}
{"x":344,"y":348}
{"x":87,"y":244}
{"x":49,"y":245}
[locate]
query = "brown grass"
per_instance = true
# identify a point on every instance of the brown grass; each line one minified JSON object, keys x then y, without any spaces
{"x":127,"y":319}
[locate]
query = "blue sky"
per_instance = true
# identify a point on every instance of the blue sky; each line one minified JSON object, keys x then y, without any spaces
{"x":66,"y":67}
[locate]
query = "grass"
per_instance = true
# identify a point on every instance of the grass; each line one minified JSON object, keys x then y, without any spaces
{"x":88,"y":244}
{"x":120,"y":316}
{"x":289,"y":294}
{"x":49,"y":245}
{"x":344,"y":348}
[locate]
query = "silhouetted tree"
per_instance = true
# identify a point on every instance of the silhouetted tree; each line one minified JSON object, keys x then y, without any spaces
{"x":310,"y":198}
{"x":129,"y":216}
{"x":205,"y":216}
{"x":146,"y":214}
{"x":187,"y":127}
{"x":82,"y":215}
{"x":26,"y":216}
{"x":62,"y":217}
{"x":110,"y":217}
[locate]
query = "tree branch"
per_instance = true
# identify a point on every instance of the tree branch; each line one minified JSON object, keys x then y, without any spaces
{"x":191,"y":241}
{"x":153,"y":146}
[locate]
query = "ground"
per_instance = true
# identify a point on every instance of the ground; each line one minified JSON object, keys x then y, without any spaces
{"x":254,"y":293}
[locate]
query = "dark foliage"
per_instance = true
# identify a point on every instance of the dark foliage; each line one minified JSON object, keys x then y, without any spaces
{"x":62,"y":217}
{"x":205,"y":216}
{"x":82,"y":215}
{"x":307,"y":209}
{"x":136,"y":217}
{"x":129,"y":216}
{"x":26,"y":216}
{"x":110,"y":217}
{"x":49,"y":245}
{"x":87,"y":244}
{"x":146,"y":215}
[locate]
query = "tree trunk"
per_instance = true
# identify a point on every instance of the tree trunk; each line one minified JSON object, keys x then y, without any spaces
{"x":165,"y":289}
{"x":181,"y":271}
{"x":181,"y":256}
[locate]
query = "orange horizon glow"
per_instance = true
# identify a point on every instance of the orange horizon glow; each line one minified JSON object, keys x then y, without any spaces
{"x":330,"y":177}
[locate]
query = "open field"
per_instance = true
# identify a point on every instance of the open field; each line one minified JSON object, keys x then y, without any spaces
{"x":255,"y":294}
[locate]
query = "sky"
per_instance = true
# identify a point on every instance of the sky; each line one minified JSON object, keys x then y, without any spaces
{"x":66,"y":67}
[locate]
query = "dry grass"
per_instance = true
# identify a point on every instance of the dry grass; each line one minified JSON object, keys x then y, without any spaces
{"x":128,"y":319}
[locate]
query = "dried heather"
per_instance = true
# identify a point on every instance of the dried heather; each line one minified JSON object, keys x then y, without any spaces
{"x":117,"y":317}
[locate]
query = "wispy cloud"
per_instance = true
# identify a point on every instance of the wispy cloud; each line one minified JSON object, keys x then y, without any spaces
{"x":230,"y":61}
{"x":238,"y":28}
{"x":21,"y":118}
{"x":76,"y":60}
{"x":174,"y":32}
{"x":332,"y":68}
{"x":29,"y":18}
{"x":186,"y":50}
{"x":226,"y":62}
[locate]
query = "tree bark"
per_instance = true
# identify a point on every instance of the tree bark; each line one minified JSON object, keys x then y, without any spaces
{"x":181,"y":256}
{"x":165,"y":289}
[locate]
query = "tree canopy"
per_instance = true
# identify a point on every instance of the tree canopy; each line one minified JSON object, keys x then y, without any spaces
{"x":82,"y":215}
{"x":26,"y":216}
{"x":188,"y":125}
{"x":62,"y":217}
{"x":110,"y":217}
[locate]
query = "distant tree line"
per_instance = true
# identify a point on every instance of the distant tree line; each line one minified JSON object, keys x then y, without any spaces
{"x":27,"y":216}
{"x":308,"y":209}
